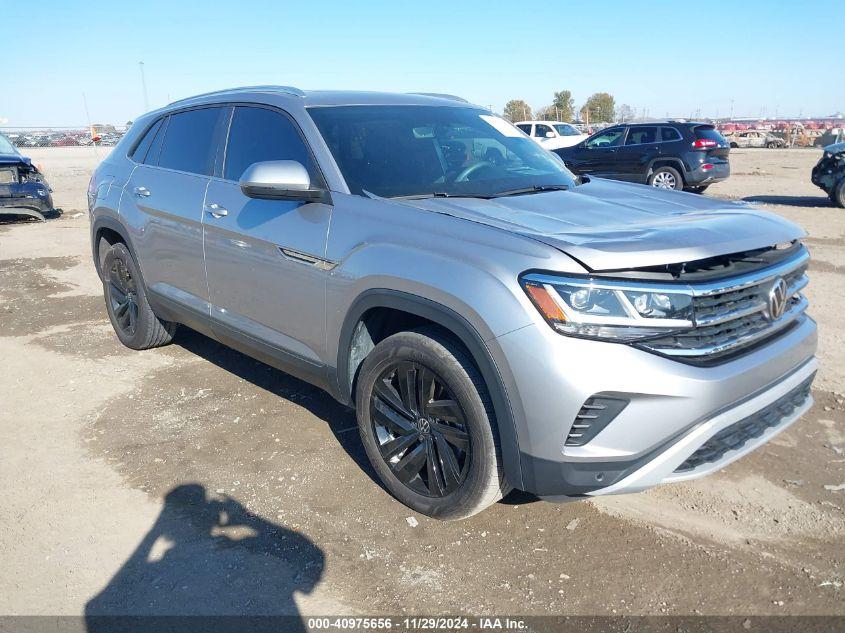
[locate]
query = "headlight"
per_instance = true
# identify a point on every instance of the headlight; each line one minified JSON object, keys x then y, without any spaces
{"x":610,"y":310}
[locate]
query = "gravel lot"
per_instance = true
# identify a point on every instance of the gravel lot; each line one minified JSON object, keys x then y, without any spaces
{"x":117,"y":464}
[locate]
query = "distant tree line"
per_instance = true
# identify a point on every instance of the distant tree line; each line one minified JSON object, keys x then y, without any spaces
{"x":598,"y":108}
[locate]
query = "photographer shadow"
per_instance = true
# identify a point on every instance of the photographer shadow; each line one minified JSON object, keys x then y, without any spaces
{"x":209,"y":558}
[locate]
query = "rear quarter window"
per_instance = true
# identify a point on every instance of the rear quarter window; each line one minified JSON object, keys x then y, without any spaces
{"x":668,"y":134}
{"x":143,"y":147}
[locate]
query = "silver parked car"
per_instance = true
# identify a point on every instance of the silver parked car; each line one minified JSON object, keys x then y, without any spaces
{"x":495,"y":321}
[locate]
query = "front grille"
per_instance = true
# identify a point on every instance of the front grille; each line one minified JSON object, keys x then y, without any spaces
{"x":734,"y":314}
{"x":736,"y":435}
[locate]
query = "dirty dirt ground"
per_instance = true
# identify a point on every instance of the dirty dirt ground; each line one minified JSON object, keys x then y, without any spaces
{"x":193,"y":479}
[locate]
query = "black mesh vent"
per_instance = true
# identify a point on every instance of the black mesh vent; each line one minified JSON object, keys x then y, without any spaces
{"x":736,"y":435}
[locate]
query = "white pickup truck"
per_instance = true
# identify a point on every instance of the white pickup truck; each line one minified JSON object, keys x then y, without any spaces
{"x":552,"y":134}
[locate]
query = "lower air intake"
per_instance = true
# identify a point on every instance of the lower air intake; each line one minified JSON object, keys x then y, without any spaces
{"x":595,"y":414}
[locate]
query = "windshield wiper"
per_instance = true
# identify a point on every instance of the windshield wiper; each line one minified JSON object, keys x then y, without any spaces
{"x":532,"y":189}
{"x":441,"y":194}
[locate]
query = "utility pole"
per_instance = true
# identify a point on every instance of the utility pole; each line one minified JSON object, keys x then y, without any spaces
{"x":144,"y":87}
{"x":732,"y":108}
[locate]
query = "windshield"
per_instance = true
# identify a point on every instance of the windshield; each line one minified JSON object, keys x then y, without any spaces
{"x":566,"y":130}
{"x":6,"y":146}
{"x":397,"y":151}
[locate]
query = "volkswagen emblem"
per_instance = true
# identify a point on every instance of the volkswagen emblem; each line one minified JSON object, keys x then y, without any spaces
{"x":777,"y":299}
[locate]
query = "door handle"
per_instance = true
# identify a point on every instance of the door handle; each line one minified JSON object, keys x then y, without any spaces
{"x":141,"y":192}
{"x":215,"y":210}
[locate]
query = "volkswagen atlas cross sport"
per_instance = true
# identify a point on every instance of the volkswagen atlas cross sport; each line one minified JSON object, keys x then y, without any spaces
{"x":495,"y":321}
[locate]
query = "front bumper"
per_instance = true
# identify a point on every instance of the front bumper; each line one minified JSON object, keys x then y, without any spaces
{"x":826,"y":178}
{"x":673,"y":410}
{"x":26,"y":199}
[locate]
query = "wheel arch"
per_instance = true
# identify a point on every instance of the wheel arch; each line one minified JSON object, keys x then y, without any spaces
{"x":659,"y":162}
{"x":112,"y":231}
{"x":407,"y":311}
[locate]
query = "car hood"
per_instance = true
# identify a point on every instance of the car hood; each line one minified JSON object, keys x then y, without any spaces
{"x":7,"y":159}
{"x":836,"y":148}
{"x":609,"y":225}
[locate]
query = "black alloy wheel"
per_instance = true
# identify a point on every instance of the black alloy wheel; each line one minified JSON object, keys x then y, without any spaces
{"x":420,"y":429}
{"x":123,"y":297}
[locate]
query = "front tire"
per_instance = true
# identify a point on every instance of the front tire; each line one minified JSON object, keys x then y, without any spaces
{"x":131,"y":316}
{"x":666,"y":178}
{"x":427,"y":424}
{"x":837,"y":196}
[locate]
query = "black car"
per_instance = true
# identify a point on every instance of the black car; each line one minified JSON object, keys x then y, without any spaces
{"x":671,"y":155}
{"x":829,"y":173}
{"x":23,"y":190}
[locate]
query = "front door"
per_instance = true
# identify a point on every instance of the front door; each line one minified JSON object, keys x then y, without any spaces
{"x":266,"y":275}
{"x":599,"y":157}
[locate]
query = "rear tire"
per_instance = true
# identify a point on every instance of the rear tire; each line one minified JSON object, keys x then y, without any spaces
{"x":131,"y":316}
{"x":435,"y":445}
{"x":666,"y":178}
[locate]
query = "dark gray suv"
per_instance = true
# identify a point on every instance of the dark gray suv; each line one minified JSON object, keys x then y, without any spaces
{"x":496,"y":322}
{"x":671,"y":155}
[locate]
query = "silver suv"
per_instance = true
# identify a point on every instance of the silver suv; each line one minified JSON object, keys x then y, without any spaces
{"x":495,"y":321}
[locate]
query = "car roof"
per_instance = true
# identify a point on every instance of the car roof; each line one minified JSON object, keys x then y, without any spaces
{"x":669,"y":122}
{"x":316,"y":98}
{"x":544,"y":122}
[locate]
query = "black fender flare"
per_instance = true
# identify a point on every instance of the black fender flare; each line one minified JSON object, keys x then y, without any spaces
{"x":464,"y":331}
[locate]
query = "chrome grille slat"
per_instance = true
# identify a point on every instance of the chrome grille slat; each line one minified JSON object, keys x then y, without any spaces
{"x":736,"y":316}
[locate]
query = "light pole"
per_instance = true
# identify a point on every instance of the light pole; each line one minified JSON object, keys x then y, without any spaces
{"x":144,"y":87}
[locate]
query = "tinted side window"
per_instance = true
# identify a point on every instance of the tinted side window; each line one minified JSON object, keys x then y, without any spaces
{"x":607,"y":138}
{"x":258,"y":134}
{"x":641,"y":135}
{"x":669,"y":134}
{"x":189,"y":141}
{"x":155,"y":148}
{"x":525,"y":128}
{"x":143,"y":147}
{"x":541,"y":130}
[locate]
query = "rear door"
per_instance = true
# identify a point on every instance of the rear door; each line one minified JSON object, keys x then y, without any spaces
{"x":266,"y":273}
{"x":163,"y":203}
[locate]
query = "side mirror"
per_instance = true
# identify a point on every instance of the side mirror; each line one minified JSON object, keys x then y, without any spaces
{"x":281,"y":180}
{"x":550,"y":134}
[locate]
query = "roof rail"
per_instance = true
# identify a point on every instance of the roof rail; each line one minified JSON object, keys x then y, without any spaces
{"x":440,"y":95}
{"x":266,"y":88}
